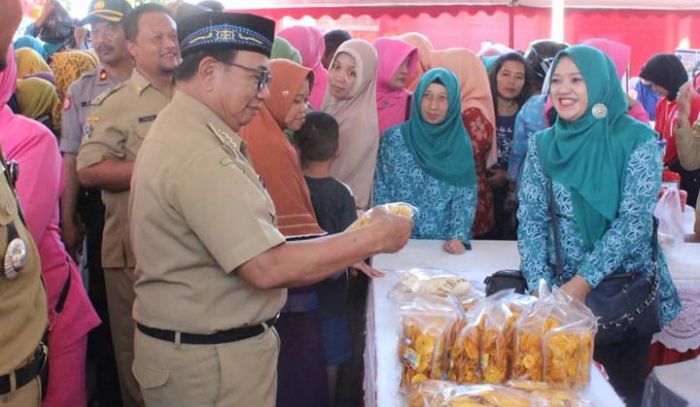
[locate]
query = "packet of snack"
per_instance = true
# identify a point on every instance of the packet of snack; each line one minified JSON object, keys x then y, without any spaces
{"x":515,"y":304}
{"x":568,"y":347}
{"x":465,"y":356}
{"x":396,"y":208}
{"x":427,"y":329}
{"x":547,"y":395}
{"x":430,"y":281}
{"x":430,"y":393}
{"x":529,"y":332}
{"x":489,"y":395}
{"x":436,"y":393}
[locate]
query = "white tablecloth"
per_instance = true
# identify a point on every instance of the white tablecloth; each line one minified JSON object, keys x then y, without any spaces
{"x":382,"y":366}
{"x":673,"y":385}
{"x":683,"y":259}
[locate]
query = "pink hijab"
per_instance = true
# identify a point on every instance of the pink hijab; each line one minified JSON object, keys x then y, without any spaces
{"x":391,"y":103}
{"x":474,"y":86}
{"x":311,"y":45}
{"x":424,"y":46}
{"x":618,"y":52}
{"x":8,"y":80}
{"x":621,"y":55}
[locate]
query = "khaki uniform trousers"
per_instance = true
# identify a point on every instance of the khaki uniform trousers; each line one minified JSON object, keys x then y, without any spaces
{"x":28,"y":395}
{"x":119,"y":283}
{"x":235,"y":374}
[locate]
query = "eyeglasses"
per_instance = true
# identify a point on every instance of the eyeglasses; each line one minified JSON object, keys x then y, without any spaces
{"x":263,"y":74}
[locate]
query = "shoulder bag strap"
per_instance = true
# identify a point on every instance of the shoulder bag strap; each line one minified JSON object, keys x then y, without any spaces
{"x":554,"y":222}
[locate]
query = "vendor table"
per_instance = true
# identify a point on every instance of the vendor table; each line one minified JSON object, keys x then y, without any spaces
{"x":382,"y":366}
{"x":673,"y":385}
{"x":680,"y":340}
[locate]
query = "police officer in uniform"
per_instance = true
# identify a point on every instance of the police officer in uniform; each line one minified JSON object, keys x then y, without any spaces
{"x":211,"y":265}
{"x":108,"y":40}
{"x":113,"y":132}
{"x":23,"y":312}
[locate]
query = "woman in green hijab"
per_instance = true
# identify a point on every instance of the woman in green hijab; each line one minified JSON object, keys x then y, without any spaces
{"x":605,"y":170}
{"x":282,"y":49}
{"x":428,"y":162}
{"x":37,"y":98}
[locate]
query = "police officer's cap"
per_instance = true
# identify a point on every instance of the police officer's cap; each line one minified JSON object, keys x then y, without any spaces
{"x":110,"y":11}
{"x":234,"y":31}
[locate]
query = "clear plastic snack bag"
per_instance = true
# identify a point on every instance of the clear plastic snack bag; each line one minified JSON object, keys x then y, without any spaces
{"x":548,"y":395}
{"x":512,"y":306}
{"x":435,"y":393}
{"x":430,"y":281}
{"x":465,"y":356}
{"x":430,"y":393}
{"x":490,"y":395}
{"x":568,"y":348}
{"x":396,"y":208}
{"x":427,"y":330}
{"x":530,"y":328}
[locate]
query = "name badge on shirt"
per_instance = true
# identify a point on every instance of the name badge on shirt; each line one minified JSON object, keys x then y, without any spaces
{"x":146,"y":119}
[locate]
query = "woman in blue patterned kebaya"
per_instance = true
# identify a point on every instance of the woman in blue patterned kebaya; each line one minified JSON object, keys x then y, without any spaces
{"x":428,"y":162}
{"x":605,"y":169}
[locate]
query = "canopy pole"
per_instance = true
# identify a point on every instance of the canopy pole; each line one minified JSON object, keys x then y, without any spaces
{"x":511,"y":27}
{"x":557,"y":33}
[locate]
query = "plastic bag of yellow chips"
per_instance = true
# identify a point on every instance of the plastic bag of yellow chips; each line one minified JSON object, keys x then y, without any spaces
{"x":430,"y":393}
{"x":434,"y":393}
{"x":465,"y":356}
{"x":548,"y":395}
{"x":529,"y":332}
{"x":427,"y":330}
{"x":396,"y":208}
{"x":482,"y":351}
{"x":568,"y":348}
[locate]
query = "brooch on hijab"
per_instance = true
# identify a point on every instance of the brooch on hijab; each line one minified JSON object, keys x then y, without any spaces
{"x":599,"y":111}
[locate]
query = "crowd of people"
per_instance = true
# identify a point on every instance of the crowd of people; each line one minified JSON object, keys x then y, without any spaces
{"x":186,"y":178}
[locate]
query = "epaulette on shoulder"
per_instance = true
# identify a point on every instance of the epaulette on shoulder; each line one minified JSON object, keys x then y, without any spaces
{"x":106,"y":94}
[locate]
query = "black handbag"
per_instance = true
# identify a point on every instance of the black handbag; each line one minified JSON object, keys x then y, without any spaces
{"x":626,"y":304}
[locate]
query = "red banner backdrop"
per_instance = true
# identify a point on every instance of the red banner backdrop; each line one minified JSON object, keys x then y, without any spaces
{"x":647,"y":31}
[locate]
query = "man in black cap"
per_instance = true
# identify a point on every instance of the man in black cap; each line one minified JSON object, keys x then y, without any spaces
{"x":105,"y":18}
{"x":211,"y":265}
{"x":115,"y":127}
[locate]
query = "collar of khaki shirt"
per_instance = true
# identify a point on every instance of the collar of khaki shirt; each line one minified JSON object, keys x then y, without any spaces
{"x":140,"y":83}
{"x":203,"y":114}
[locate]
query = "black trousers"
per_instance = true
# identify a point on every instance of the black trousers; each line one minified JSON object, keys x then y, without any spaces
{"x":627,"y":364}
{"x":690,"y":181}
{"x":100,"y":352}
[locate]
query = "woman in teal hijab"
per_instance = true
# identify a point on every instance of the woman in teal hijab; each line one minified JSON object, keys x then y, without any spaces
{"x":605,"y":170}
{"x":27,"y":41}
{"x":428,"y":162}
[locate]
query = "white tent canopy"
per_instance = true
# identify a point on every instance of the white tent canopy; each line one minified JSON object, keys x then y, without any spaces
{"x":588,"y":4}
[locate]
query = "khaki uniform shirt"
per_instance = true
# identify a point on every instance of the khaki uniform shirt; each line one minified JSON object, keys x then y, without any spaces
{"x":76,"y":105}
{"x":23,"y":312}
{"x":198,"y":212}
{"x":114,"y":129}
{"x":688,"y":142}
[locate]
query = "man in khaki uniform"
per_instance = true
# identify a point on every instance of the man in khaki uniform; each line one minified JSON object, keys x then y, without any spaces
{"x":104,"y":17}
{"x":211,"y":266}
{"x":23,"y":312}
{"x":114,"y":130}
